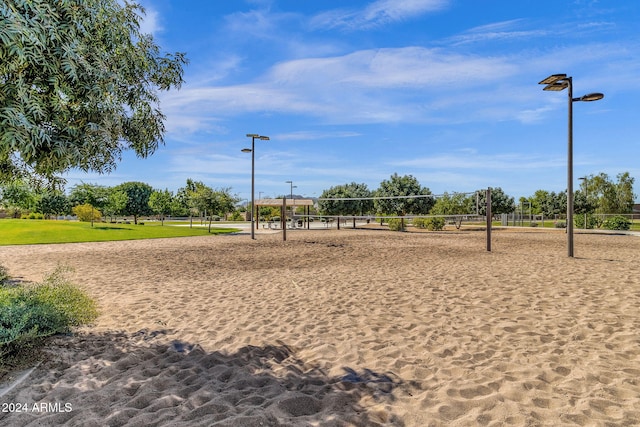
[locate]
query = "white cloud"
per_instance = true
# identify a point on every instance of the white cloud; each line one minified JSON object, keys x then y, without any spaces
{"x":368,"y":86}
{"x":314,"y":135}
{"x":470,"y":159}
{"x":150,"y":22}
{"x":380,"y":12}
{"x":392,"y":67}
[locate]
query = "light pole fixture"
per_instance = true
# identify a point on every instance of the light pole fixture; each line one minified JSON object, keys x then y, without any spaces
{"x":586,"y":199}
{"x":292,"y":187}
{"x":558,"y":82}
{"x":252,"y":150}
{"x":291,"y":195}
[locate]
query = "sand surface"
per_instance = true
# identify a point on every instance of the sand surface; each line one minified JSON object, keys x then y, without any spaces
{"x":343,"y":328}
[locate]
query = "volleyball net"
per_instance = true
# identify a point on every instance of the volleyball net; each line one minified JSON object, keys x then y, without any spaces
{"x":457,"y":209}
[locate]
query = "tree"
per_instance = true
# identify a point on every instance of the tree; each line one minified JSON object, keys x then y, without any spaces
{"x":87,"y":213}
{"x":550,"y":203}
{"x":346,"y":207}
{"x":116,"y":202}
{"x":179,"y":204}
{"x":625,"y":197}
{"x":610,"y":197}
{"x":500,"y":202}
{"x":18,"y":195}
{"x":52,"y":203}
{"x":93,"y":195}
{"x":138,"y":194}
{"x":213,"y":202}
{"x":85,"y":193}
{"x":78,"y":85}
{"x":188,"y":197}
{"x":456,"y":204}
{"x":402,"y":186}
{"x":406,"y":185}
{"x":160,"y":202}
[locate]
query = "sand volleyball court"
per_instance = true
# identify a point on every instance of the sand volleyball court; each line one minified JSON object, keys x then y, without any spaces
{"x":343,"y":328}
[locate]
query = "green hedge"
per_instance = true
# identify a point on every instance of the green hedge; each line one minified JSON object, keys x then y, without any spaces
{"x":617,"y":222}
{"x":432,"y":224}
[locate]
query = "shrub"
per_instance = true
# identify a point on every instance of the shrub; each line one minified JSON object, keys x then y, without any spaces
{"x":33,"y":215}
{"x":236,"y":216}
{"x":592,"y":221}
{"x":87,"y":213}
{"x":419,"y":223}
{"x":42,"y":309}
{"x":4,"y":275}
{"x":395,"y":224}
{"x":617,"y":222}
{"x":560,"y":224}
{"x":432,"y":224}
{"x":435,"y":224}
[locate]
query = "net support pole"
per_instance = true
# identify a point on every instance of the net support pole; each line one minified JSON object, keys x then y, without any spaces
{"x":284,"y":219}
{"x":489,"y":216}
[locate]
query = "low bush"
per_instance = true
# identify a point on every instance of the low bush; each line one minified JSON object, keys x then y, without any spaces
{"x":395,"y":224}
{"x":32,"y":215}
{"x":435,"y":224}
{"x":432,"y":224}
{"x":617,"y":222}
{"x":560,"y":224}
{"x":419,"y":223}
{"x":4,"y":275}
{"x":33,"y":311}
{"x":87,"y":213}
{"x":591,"y":221}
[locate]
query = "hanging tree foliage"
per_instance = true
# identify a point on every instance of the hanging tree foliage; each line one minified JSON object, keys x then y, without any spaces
{"x":78,"y":85}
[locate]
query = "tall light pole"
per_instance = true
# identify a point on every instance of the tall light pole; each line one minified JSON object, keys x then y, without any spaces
{"x":558,"y":82}
{"x":586,"y":199}
{"x":291,"y":195}
{"x":292,"y":187}
{"x":252,"y":150}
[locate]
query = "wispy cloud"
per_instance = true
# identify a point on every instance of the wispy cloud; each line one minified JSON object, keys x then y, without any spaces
{"x":367,"y":86}
{"x":314,"y":135}
{"x":392,"y":67}
{"x":498,"y":31}
{"x":471,"y":159}
{"x":377,"y":13}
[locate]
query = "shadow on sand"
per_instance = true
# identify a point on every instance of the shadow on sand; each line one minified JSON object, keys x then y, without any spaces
{"x":144,"y":379}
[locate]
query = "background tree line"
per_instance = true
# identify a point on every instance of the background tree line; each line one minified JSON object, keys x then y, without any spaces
{"x":598,"y":194}
{"x":402,"y":188}
{"x":92,"y":202}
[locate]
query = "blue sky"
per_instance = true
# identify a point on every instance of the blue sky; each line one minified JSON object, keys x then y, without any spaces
{"x":444,"y":90}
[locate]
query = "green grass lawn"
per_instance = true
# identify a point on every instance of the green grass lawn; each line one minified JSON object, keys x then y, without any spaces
{"x":29,"y":232}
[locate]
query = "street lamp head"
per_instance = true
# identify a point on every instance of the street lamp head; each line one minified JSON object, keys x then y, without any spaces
{"x":253,"y":135}
{"x":246,"y":150}
{"x":553,"y":79}
{"x":264,"y":138}
{"x":557,"y":86}
{"x":592,"y":97}
{"x":556,"y":82}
